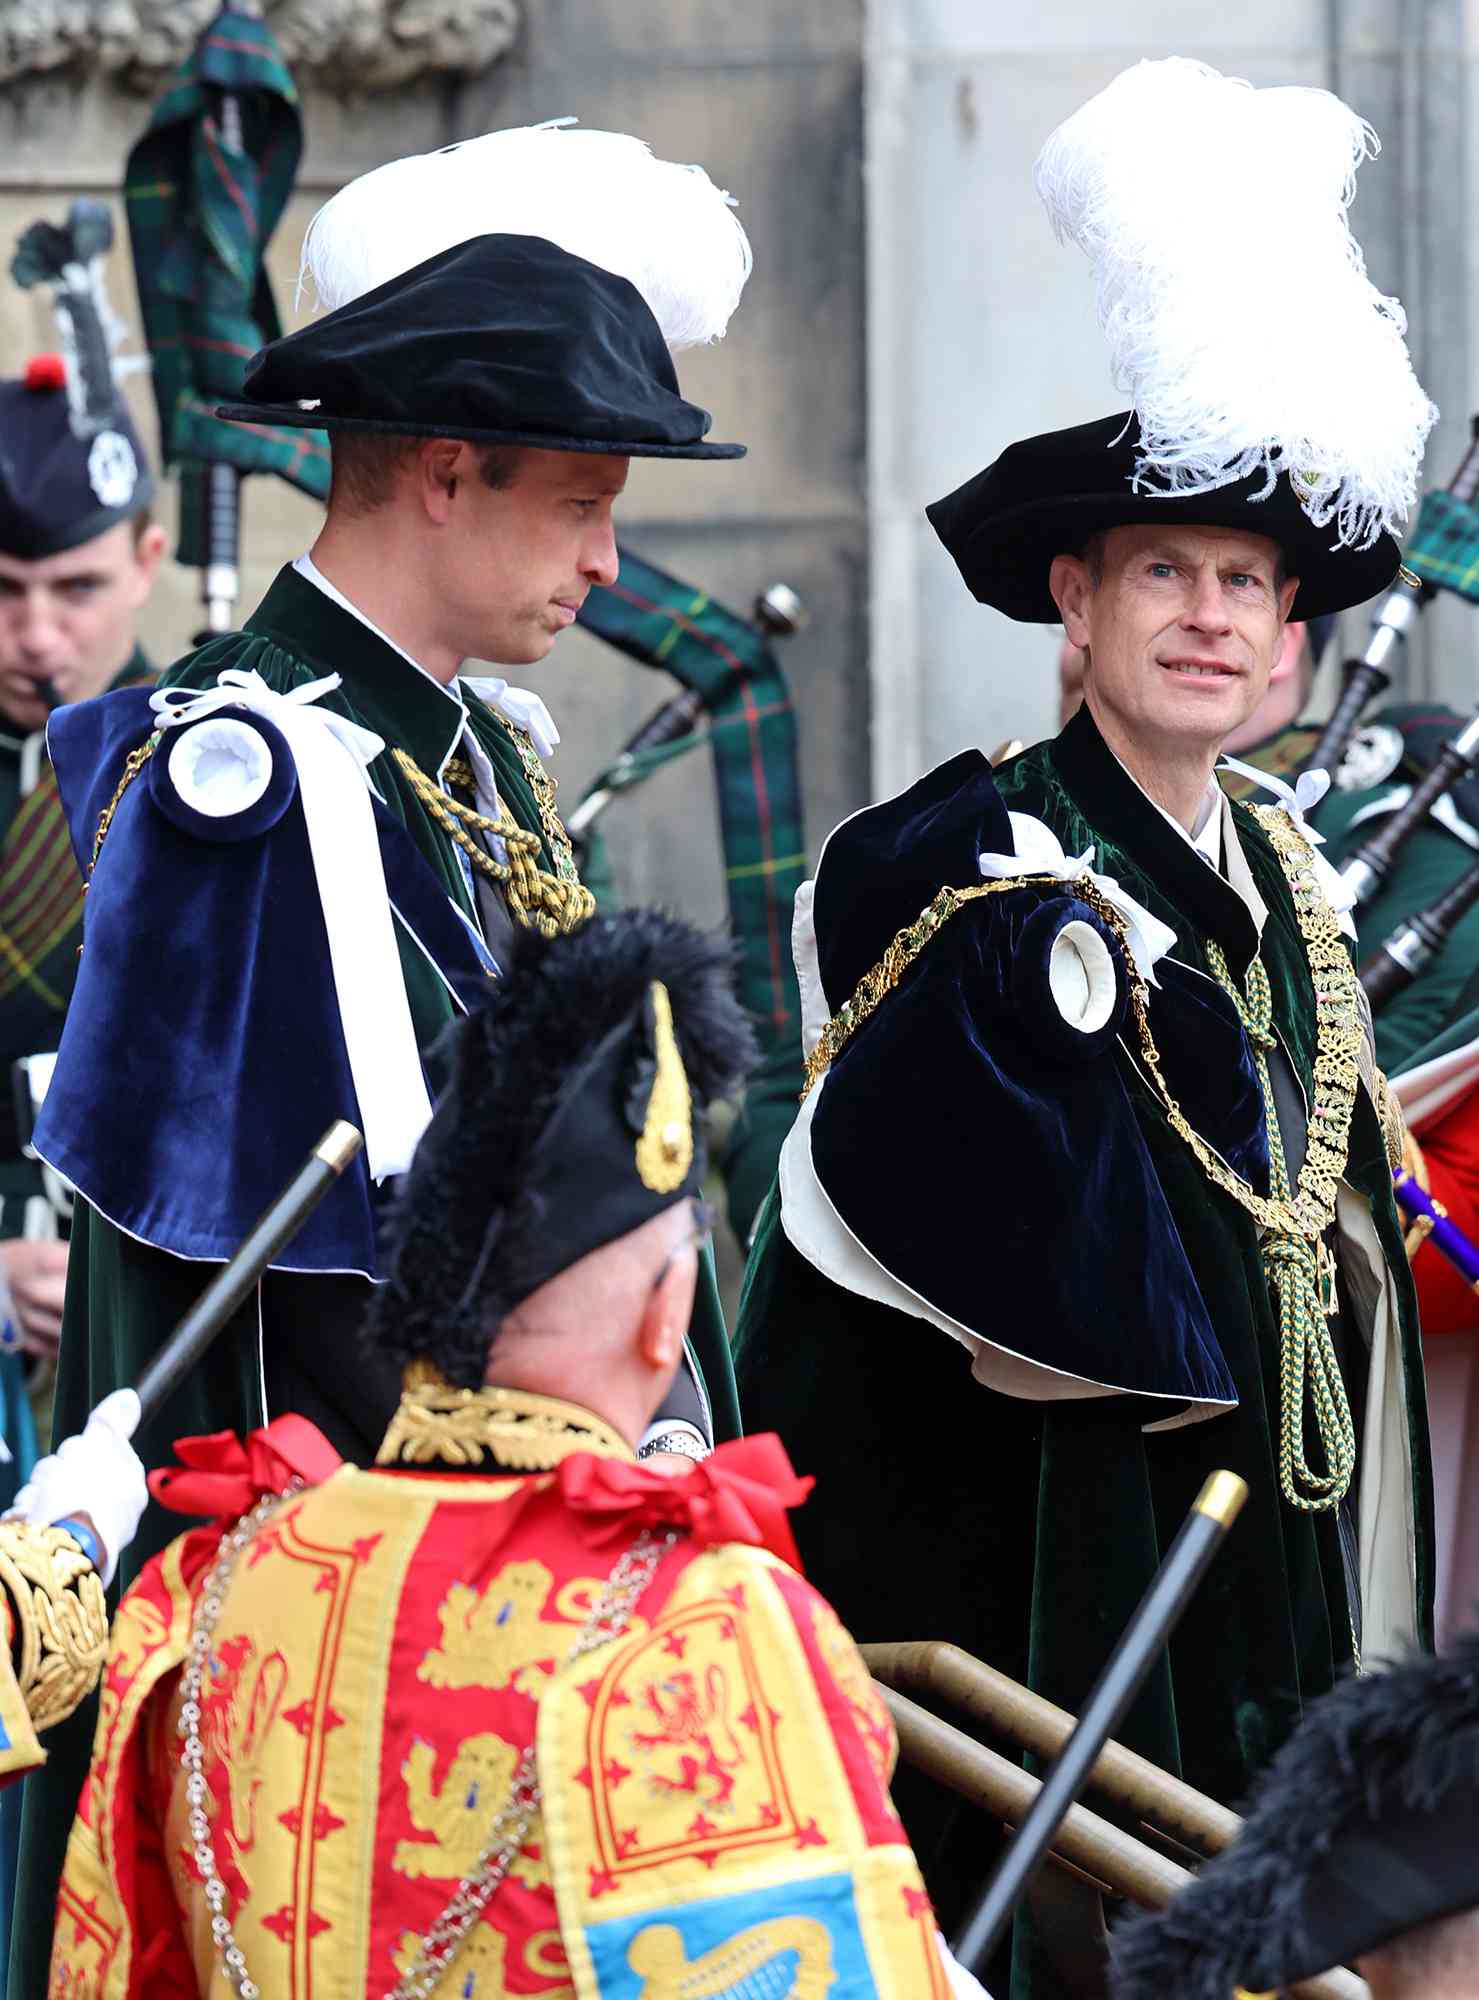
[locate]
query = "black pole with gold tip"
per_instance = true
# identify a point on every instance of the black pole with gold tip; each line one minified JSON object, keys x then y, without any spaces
{"x":213,"y":1309}
{"x":1217,"y":1507}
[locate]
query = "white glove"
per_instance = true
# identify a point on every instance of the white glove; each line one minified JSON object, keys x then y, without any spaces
{"x":96,"y":1473}
{"x":963,"y":1985}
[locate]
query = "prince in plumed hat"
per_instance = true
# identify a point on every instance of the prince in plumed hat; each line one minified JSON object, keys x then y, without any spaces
{"x":322,"y":836}
{"x":1091,"y":1193}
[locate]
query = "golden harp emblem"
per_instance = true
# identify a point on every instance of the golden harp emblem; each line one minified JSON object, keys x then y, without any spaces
{"x":784,"y":1958}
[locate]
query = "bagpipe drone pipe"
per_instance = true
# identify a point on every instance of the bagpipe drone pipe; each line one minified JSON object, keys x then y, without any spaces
{"x":1443,"y":554}
{"x":734,"y":698}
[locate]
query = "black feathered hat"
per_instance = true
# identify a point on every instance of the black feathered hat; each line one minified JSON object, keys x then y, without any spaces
{"x":572,"y":1116}
{"x":71,"y":464}
{"x":1366,"y":1827}
{"x":500,"y":340}
{"x":526,"y":287}
{"x":1307,"y":428}
{"x":59,"y":489}
{"x":1047,"y":496}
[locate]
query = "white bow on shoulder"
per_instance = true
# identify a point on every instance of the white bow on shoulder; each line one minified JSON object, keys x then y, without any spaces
{"x":1040,"y":852}
{"x":331,"y":755}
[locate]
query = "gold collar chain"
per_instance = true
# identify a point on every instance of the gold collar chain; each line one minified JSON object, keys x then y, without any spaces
{"x":536,"y":899}
{"x":437,"y":1424}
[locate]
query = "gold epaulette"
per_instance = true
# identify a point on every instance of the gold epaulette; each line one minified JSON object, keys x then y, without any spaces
{"x":59,"y":1640}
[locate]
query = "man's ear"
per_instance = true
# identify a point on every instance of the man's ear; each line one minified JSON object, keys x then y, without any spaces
{"x":1291,"y":652}
{"x":440,"y":466}
{"x":1071,"y":586}
{"x":666,"y":1315}
{"x":149,"y":549}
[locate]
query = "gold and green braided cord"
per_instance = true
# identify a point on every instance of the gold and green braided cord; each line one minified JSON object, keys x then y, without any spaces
{"x":1293,"y":1262}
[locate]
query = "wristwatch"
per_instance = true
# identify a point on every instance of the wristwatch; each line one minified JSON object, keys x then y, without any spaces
{"x":681,"y":1442}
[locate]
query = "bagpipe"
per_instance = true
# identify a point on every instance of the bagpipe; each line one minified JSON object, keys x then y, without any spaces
{"x":1443,"y":555}
{"x":204,"y":188}
{"x":733,"y":698}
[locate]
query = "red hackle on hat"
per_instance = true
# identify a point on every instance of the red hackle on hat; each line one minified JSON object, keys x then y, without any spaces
{"x":46,"y":371}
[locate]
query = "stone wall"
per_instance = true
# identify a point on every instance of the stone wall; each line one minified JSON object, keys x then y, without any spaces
{"x":768,"y":97}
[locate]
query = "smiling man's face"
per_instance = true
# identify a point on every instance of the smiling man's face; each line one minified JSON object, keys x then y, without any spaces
{"x":1182,"y":627}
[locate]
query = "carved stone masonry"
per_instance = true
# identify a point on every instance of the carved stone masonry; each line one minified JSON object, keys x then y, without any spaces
{"x":340,"y":45}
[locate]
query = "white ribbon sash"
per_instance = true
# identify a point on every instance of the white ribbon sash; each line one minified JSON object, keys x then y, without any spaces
{"x":1040,"y":852}
{"x":331,"y":754}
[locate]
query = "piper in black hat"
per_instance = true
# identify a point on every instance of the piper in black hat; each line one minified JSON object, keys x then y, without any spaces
{"x":315,"y":845}
{"x":78,"y":558}
{"x":1360,"y":1848}
{"x":1085,"y":1203}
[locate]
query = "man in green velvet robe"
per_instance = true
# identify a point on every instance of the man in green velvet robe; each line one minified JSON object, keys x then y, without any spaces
{"x":483,"y":408}
{"x":1006,"y":1497}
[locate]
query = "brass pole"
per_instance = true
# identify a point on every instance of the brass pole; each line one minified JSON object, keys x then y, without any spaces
{"x":1125,"y":1866}
{"x":942,"y":1672}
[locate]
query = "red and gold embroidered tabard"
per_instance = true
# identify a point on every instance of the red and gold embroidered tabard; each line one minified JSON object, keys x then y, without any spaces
{"x":715,"y":1778}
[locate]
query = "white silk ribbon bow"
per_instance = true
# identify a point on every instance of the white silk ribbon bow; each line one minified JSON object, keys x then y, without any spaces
{"x":520,"y":706}
{"x":1040,"y":852}
{"x":331,"y":755}
{"x":1297,"y":799}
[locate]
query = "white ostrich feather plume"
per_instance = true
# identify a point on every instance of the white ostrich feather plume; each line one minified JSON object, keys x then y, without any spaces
{"x":599,"y":195}
{"x":1234,"y":298}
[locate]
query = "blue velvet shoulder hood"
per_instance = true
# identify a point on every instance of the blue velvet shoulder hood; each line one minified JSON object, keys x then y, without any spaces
{"x":981,"y":1150}
{"x":203,"y":1054}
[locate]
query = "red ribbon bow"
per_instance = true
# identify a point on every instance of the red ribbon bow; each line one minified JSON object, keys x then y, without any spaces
{"x":739,"y":1493}
{"x":221,"y":1476}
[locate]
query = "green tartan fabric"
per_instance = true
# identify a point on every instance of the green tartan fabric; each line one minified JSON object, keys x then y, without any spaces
{"x":200,"y":215}
{"x":661,"y":621}
{"x":1444,"y":547}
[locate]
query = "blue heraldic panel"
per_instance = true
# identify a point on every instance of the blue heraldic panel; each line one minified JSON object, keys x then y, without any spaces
{"x":801,"y":1937}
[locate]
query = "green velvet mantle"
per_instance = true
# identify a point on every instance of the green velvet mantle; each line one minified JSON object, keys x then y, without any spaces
{"x":1026,"y":1532}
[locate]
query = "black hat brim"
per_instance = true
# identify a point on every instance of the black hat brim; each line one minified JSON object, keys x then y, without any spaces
{"x":34,"y":540}
{"x":292,"y":417}
{"x":1046,"y":496}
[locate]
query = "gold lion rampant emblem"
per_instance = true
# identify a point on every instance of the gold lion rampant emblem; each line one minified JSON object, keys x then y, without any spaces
{"x":458,"y":1813}
{"x":499,"y":1637}
{"x":658,"y":1957}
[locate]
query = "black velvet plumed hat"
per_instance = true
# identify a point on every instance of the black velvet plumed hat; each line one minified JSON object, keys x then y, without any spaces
{"x":572,"y":1116}
{"x":1365,"y":1828}
{"x":501,"y":339}
{"x":1047,"y":496}
{"x":59,"y":489}
{"x":71,"y":464}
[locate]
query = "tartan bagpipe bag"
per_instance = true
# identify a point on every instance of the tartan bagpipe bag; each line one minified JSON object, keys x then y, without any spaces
{"x":203,"y":202}
{"x":662,"y":622}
